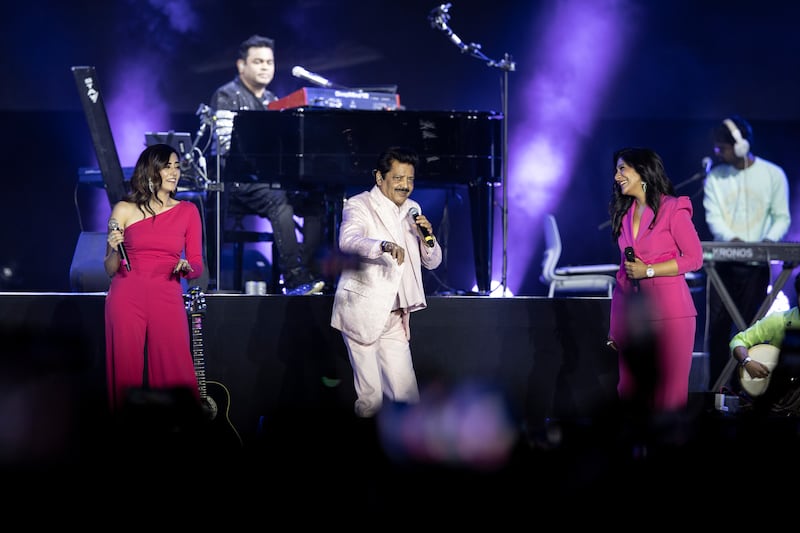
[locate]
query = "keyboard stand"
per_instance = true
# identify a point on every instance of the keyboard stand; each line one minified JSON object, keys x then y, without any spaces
{"x":713,"y":276}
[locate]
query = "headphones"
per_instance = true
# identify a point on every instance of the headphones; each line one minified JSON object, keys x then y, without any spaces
{"x":741,"y":146}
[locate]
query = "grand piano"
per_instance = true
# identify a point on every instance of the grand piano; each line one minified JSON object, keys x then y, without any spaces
{"x":330,"y":149}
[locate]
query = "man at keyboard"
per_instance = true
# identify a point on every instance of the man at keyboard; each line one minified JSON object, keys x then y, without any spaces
{"x":746,"y":198}
{"x":248,"y":91}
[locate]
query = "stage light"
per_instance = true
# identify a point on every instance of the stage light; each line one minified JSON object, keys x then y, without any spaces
{"x":495,"y":290}
{"x":780,"y":304}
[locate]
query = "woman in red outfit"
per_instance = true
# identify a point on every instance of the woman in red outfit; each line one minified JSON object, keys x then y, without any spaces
{"x":653,"y":317}
{"x":153,"y":241}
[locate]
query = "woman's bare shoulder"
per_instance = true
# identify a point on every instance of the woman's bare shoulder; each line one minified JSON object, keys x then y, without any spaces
{"x":124,"y":212}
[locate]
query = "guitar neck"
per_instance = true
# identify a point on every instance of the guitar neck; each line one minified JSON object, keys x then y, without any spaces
{"x":197,"y":353}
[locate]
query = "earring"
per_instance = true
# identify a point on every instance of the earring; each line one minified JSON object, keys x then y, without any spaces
{"x":644,"y":187}
{"x":150,"y":186}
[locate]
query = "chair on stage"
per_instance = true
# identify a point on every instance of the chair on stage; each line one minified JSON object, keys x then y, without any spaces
{"x":235,"y":231}
{"x":582,"y":280}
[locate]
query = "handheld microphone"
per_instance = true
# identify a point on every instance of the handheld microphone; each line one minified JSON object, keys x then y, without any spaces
{"x":113,"y":225}
{"x":630,"y":256}
{"x":426,"y":235}
{"x":316,"y":79}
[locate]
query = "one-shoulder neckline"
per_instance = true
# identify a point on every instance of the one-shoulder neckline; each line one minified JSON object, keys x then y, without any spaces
{"x":164,"y":212}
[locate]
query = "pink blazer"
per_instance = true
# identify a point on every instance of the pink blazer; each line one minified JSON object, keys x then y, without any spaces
{"x":672,"y":237}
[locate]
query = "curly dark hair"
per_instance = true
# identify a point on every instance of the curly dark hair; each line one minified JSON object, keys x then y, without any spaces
{"x":651,"y":168}
{"x":146,"y":172}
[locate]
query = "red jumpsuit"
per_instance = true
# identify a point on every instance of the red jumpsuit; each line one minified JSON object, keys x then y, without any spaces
{"x":145,"y":314}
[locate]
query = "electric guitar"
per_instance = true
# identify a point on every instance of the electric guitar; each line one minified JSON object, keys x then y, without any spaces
{"x":214,"y":396}
{"x":765,"y":354}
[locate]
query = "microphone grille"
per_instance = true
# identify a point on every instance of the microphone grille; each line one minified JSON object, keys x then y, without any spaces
{"x":298,"y":71}
{"x":413,"y":212}
{"x":113,"y":225}
{"x":629,"y":253}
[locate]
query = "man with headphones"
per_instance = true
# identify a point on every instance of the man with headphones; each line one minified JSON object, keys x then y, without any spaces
{"x":746,"y":198}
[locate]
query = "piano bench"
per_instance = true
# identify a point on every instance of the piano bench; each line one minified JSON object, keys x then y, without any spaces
{"x":239,"y":237}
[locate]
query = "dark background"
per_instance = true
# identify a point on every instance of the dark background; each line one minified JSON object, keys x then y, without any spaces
{"x":684,"y":67}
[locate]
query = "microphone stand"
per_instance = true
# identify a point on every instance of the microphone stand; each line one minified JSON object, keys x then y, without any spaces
{"x":204,"y":112}
{"x":700,"y":175}
{"x":218,"y":187}
{"x":438,"y":18}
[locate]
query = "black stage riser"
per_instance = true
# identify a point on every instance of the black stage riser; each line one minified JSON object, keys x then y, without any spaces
{"x":278,"y":354}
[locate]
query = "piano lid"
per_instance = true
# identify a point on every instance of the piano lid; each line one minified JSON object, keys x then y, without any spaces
{"x":321,"y":147}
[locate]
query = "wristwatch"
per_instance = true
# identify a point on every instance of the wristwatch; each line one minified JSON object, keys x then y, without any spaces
{"x":650,"y":272}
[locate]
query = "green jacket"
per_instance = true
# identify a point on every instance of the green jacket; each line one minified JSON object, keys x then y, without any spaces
{"x":769,"y":330}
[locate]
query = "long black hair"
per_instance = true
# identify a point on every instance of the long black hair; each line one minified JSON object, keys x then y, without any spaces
{"x":651,"y":169}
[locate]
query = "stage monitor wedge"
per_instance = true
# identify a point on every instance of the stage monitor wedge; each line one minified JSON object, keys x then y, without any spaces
{"x":95,"y":110}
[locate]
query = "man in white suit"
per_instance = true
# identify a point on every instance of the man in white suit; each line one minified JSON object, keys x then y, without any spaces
{"x":392,"y":240}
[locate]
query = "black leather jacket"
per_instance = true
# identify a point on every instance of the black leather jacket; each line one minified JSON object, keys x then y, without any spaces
{"x":234,"y":96}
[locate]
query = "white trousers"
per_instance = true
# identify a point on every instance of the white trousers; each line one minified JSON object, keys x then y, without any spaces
{"x":383,"y":368}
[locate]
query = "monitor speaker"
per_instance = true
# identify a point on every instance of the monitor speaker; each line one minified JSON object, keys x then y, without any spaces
{"x":87,"y":273}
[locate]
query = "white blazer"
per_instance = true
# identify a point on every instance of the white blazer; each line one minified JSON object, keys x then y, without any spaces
{"x":365,"y":296}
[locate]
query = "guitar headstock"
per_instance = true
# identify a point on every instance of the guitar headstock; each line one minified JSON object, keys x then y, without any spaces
{"x":196,"y":302}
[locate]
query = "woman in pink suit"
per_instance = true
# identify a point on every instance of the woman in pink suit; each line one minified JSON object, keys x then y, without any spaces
{"x":153,"y":241}
{"x":392,"y":240}
{"x":653,"y":317}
